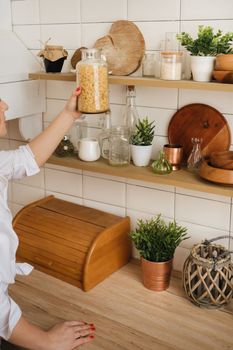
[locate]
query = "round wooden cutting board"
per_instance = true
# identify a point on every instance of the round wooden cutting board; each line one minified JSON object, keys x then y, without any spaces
{"x":202,"y":121}
{"x":123,"y":47}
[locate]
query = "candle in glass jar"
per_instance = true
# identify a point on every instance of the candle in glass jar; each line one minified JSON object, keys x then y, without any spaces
{"x":171,"y":65}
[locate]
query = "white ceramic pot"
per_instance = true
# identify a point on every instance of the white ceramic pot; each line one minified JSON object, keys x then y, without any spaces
{"x":141,"y":155}
{"x":88,"y":149}
{"x":202,"y":67}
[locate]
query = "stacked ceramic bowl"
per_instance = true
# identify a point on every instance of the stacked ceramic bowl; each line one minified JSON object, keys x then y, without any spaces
{"x":223,"y":71}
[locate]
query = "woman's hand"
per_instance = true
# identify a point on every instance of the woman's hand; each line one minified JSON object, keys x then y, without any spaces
{"x":69,"y":335}
{"x":44,"y":144}
{"x":72,"y":103}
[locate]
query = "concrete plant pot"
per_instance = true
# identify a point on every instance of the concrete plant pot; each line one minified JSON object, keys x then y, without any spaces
{"x":202,"y":67}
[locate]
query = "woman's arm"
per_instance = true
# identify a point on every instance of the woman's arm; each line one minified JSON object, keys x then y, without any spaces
{"x":64,"y":336}
{"x":44,"y":144}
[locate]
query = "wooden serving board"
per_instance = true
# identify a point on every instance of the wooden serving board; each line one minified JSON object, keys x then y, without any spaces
{"x":123,"y":47}
{"x":201,"y":121}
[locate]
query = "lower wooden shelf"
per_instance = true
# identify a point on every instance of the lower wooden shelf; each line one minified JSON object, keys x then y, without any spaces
{"x":182,"y":178}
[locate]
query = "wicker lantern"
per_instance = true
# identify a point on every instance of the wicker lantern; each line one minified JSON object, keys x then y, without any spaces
{"x":208,"y":274}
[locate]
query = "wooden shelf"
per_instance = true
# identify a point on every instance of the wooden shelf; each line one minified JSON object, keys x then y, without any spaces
{"x":141,"y":81}
{"x":181,"y":178}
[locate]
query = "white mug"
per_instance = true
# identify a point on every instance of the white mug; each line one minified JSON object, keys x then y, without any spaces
{"x":88,"y":149}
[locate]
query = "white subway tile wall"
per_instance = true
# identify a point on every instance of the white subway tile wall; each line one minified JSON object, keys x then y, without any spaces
{"x":75,"y":23}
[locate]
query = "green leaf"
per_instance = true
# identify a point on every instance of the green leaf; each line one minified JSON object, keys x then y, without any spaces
{"x":144,"y":133}
{"x":207,"y":43}
{"x":157,"y":240}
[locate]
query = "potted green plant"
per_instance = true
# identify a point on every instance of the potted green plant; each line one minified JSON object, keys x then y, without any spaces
{"x":141,"y":142}
{"x":204,"y":49}
{"x":156,"y":242}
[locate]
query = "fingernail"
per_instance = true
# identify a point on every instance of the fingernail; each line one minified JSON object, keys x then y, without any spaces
{"x":78,"y":89}
{"x":92,"y":325}
{"x":92,"y":328}
{"x":92,"y":336}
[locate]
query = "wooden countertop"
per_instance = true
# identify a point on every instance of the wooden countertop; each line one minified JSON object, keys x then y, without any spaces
{"x":126,"y":315}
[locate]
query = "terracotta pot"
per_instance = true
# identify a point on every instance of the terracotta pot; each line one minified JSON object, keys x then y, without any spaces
{"x":224,"y":62}
{"x":156,"y":275}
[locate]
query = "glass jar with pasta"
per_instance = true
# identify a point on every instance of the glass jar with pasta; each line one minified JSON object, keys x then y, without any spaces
{"x":92,"y":77}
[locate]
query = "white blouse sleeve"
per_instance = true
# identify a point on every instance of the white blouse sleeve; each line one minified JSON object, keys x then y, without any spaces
{"x":10,"y":312}
{"x":18,"y":163}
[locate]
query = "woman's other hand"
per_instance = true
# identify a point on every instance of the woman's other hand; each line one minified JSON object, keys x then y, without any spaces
{"x":69,"y":335}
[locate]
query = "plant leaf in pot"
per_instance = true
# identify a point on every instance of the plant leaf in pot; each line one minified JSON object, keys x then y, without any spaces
{"x":156,"y":242}
{"x":204,"y":48}
{"x":141,"y":142}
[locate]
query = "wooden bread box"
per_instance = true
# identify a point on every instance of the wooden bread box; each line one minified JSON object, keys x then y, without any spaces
{"x":74,"y":243}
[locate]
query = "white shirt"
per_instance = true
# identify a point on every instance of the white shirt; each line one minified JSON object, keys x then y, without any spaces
{"x":13,"y":165}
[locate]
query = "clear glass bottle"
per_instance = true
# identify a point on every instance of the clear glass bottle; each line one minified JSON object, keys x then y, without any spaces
{"x":106,"y":125}
{"x":130,"y":117}
{"x":92,"y":77}
{"x":195,"y":157}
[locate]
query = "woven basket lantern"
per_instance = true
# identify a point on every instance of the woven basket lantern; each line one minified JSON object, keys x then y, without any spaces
{"x":208,"y":274}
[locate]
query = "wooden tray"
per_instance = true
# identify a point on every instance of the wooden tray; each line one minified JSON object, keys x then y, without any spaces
{"x":218,"y":175}
{"x":202,"y":121}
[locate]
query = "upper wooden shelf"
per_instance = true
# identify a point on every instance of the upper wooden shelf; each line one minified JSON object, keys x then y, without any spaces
{"x":141,"y":81}
{"x":182,"y":178}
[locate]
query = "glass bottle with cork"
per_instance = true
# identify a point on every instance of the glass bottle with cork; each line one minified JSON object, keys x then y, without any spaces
{"x":130,"y":117}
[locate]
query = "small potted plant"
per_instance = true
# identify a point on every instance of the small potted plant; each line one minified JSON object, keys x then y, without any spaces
{"x":156,"y":242}
{"x":141,"y":142}
{"x":204,"y":49}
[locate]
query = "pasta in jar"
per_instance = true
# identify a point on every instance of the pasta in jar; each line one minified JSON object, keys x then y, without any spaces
{"x":92,"y":77}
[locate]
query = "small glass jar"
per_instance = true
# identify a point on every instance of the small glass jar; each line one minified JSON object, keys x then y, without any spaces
{"x":116,"y":148}
{"x":148,"y":65}
{"x":92,"y":77}
{"x":171,"y":65}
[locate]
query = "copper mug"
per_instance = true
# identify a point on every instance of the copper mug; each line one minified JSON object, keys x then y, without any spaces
{"x":174,"y":154}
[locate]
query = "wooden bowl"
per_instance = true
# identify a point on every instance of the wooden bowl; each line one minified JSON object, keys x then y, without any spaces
{"x":210,"y":173}
{"x":224,"y":62}
{"x":223,"y":76}
{"x":223,"y":160}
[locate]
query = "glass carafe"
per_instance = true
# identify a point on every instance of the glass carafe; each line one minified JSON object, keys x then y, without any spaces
{"x":92,"y":77}
{"x":116,"y":147}
{"x":195,"y":157}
